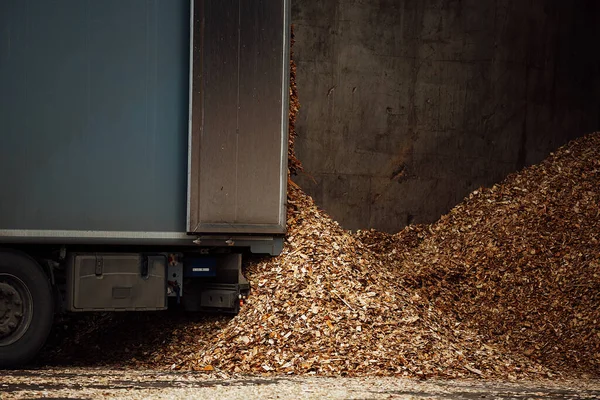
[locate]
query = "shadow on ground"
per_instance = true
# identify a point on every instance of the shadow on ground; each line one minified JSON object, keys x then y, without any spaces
{"x":120,"y":339}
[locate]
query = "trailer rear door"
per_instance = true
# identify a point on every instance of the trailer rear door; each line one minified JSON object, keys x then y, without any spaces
{"x":238,"y":116}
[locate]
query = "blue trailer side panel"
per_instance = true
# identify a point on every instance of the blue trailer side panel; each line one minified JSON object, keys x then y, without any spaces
{"x":94,"y":115}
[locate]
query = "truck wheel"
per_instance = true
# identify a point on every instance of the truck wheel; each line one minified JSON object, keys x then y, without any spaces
{"x":26,"y":309}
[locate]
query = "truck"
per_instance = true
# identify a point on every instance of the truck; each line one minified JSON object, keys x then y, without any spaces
{"x":143,"y":154}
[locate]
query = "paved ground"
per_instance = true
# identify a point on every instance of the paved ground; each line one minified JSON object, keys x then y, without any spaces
{"x":93,"y":383}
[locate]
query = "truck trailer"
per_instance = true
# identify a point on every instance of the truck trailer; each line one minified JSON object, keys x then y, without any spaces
{"x":143,"y":153}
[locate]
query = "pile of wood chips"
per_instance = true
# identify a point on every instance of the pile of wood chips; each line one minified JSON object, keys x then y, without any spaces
{"x":519,"y":263}
{"x":507,"y":285}
{"x":330,"y":305}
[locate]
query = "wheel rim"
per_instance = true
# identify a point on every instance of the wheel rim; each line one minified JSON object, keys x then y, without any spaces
{"x":16,"y":309}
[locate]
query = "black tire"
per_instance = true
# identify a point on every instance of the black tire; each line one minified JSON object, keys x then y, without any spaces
{"x":24,"y":276}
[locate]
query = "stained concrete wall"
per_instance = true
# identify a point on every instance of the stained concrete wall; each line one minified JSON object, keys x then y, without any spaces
{"x":409,"y":105}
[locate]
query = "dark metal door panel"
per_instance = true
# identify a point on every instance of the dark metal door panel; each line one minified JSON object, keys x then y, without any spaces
{"x":239,"y":116}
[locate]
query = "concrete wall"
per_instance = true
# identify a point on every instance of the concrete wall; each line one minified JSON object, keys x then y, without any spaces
{"x":409,"y":105}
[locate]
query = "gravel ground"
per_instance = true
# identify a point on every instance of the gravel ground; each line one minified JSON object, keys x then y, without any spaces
{"x":94,"y":383}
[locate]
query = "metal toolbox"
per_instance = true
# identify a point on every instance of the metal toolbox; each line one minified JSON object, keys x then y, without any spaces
{"x":116,"y":282}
